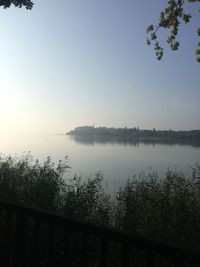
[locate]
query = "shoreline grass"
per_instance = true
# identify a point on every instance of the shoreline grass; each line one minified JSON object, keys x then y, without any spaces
{"x":166,"y":209}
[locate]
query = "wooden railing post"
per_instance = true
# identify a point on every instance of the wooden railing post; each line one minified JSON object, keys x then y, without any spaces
{"x":66,"y":247}
{"x":85,"y":243}
{"x":125,"y":259}
{"x":50,"y":244}
{"x":36,"y":249}
{"x":150,"y":259}
{"x":20,"y":249}
{"x":7,"y":253}
{"x":103,"y":252}
{"x":178,"y":262}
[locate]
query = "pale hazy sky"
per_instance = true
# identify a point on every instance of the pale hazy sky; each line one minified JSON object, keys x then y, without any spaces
{"x":68,"y":63}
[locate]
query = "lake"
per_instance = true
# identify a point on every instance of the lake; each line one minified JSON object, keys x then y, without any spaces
{"x":117,"y":159}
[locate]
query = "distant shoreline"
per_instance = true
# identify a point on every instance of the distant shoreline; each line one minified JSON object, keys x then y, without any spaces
{"x":135,"y":133}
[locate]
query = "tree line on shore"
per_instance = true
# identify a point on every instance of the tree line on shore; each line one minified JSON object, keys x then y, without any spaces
{"x":135,"y":132}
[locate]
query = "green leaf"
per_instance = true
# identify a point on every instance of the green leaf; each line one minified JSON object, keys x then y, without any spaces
{"x":148,"y":42}
{"x":197,"y":52}
{"x":186,"y":18}
{"x":150,"y":28}
{"x":153,"y":36}
{"x":198,"y":59}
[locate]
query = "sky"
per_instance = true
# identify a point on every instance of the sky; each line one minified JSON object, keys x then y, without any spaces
{"x":70,"y":63}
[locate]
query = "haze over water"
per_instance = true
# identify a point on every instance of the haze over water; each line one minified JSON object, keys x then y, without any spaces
{"x":117,"y":161}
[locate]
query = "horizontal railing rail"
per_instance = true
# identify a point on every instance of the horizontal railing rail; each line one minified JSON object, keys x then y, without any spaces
{"x":24,"y":229}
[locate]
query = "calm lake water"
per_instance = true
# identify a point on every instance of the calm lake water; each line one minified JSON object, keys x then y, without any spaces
{"x":117,"y":159}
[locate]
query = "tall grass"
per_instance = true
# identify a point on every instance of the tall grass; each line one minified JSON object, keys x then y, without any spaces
{"x":167,"y":208}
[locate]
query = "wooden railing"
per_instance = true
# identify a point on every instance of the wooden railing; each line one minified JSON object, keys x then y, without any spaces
{"x":33,"y":237}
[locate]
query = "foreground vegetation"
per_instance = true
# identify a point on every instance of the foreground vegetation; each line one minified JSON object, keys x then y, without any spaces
{"x":167,"y":208}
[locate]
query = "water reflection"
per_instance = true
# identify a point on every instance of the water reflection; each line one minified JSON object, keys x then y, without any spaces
{"x":91,"y":140}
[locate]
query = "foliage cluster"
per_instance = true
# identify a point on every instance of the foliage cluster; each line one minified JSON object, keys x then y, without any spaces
{"x":171,"y":18}
{"x":28,"y":4}
{"x":167,"y":208}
